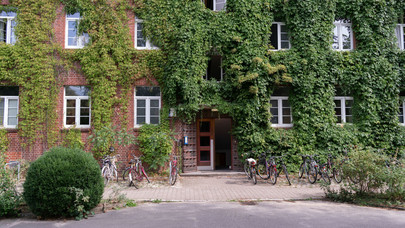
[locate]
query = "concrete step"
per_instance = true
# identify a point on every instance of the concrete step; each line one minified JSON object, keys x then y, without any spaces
{"x":214,"y":173}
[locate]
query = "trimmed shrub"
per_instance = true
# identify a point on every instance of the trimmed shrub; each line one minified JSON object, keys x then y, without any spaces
{"x":54,"y":180}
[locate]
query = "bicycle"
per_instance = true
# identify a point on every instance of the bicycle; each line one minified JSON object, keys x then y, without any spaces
{"x":250,"y":169}
{"x":109,"y":169}
{"x":331,"y":170}
{"x":284,"y":167}
{"x":173,"y":171}
{"x":309,"y":167}
{"x":135,"y":172}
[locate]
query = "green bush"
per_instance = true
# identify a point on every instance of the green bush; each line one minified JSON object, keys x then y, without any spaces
{"x":63,"y":182}
{"x":10,"y":200}
{"x":156,"y":143}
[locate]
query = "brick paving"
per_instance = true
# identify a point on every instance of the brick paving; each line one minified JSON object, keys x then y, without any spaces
{"x":216,"y":188}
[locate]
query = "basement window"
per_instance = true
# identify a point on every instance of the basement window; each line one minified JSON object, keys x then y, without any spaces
{"x":215,"y":5}
{"x":9,"y":106}
{"x":7,"y":25}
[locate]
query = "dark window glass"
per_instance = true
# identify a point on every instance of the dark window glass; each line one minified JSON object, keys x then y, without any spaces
{"x":77,"y":90}
{"x":9,"y":91}
{"x":204,"y":155}
{"x":274,"y":36}
{"x":204,"y":141}
{"x":145,"y":91}
{"x":214,"y":70}
{"x":204,"y":126}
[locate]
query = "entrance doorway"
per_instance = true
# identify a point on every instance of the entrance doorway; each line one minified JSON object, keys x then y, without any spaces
{"x":214,"y":144}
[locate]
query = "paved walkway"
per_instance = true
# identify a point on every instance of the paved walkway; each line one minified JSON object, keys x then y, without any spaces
{"x":216,"y":188}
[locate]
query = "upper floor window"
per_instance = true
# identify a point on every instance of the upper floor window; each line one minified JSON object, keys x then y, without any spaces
{"x":140,"y":41}
{"x":342,"y":36}
{"x":7,"y":24}
{"x":72,"y":37}
{"x":399,"y":32}
{"x":147,"y":105}
{"x":216,"y":5}
{"x":343,"y":109}
{"x":214,"y":70}
{"x":76,"y":108}
{"x":401,"y":112}
{"x":8,"y":106}
{"x":279,"y":36}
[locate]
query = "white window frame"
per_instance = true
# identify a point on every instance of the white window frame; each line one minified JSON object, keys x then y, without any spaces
{"x":147,"y":107}
{"x":77,"y":110}
{"x":280,"y":100}
{"x":148,"y":44}
{"x":399,"y":33}
{"x":8,"y":29}
{"x":403,"y":111}
{"x":205,"y":77}
{"x":81,"y":40}
{"x":339,"y":26}
{"x":214,"y":5}
{"x":343,"y":108}
{"x":6,"y":102}
{"x":279,"y":24}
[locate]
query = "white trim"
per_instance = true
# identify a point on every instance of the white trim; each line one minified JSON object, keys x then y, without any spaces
{"x":147,"y":107}
{"x":399,"y":33}
{"x":403,"y":113}
{"x":81,"y":40}
{"x":343,"y":100}
{"x":339,"y":25}
{"x":77,"y":110}
{"x":5,"y":116}
{"x":9,"y":31}
{"x":148,"y":44}
{"x":279,"y":24}
{"x":280,"y":100}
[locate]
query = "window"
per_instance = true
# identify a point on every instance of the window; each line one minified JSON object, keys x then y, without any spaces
{"x":140,"y":41}
{"x":279,"y":36}
{"x":147,"y":105}
{"x":343,"y":109}
{"x":8,"y":106}
{"x":214,"y":70}
{"x":7,"y":24}
{"x":342,"y":36}
{"x":401,"y":112}
{"x":216,"y":5}
{"x":399,"y":32}
{"x":76,"y":108}
{"x":280,"y":110}
{"x":72,"y":38}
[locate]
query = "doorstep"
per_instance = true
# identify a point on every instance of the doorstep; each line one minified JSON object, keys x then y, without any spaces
{"x":212,"y":173}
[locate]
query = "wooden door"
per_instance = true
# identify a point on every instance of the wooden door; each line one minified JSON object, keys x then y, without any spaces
{"x":205,"y":142}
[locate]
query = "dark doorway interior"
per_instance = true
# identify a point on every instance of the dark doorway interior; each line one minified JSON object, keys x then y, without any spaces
{"x":223,"y":158}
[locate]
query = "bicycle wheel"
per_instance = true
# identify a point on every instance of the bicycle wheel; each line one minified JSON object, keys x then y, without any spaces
{"x":254,"y":175}
{"x":114,"y":173}
{"x":301,"y":171}
{"x":247,"y":170}
{"x":133,"y":178}
{"x":263,"y":172}
{"x":286,"y":174}
{"x":106,"y":174}
{"x":312,"y":174}
{"x":144,"y":174}
{"x":173,"y":174}
{"x":324,"y":174}
{"x":337,"y":175}
{"x":125,"y":173}
{"x":273,"y":175}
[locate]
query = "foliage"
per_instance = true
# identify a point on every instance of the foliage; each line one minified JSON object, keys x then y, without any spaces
{"x":155,"y":143}
{"x":63,"y":182}
{"x":370,"y":178}
{"x":108,"y":136}
{"x":73,"y":139}
{"x":4,"y":142}
{"x":10,"y":200}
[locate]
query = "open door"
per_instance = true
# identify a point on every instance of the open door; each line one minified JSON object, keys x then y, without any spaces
{"x":205,"y":144}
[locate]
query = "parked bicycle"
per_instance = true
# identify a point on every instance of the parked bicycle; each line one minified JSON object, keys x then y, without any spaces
{"x":109,"y":169}
{"x":135,"y":172}
{"x":284,"y":168}
{"x":249,"y":167}
{"x":331,"y":170}
{"x":309,"y":167}
{"x":173,"y":170}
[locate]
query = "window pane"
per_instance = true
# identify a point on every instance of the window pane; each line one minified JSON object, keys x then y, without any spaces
{"x":338,"y":111}
{"x":140,"y":111}
{"x":70,"y":120}
{"x":154,"y":120}
{"x":84,"y":120}
{"x":71,"y":103}
{"x":70,"y":112}
{"x":349,"y":103}
{"x":204,"y":141}
{"x":72,"y":41}
{"x":12,"y":120}
{"x":274,"y":103}
{"x":274,"y":120}
{"x":12,"y":103}
{"x":286,"y":111}
{"x":286,"y":104}
{"x":403,"y":37}
{"x":338,"y":119}
{"x":84,"y":103}
{"x":154,"y":103}
{"x":285,"y":45}
{"x":337,"y":103}
{"x":204,"y":126}
{"x":9,"y":91}
{"x":77,"y":90}
{"x":84,"y":112}
{"x":12,"y":36}
{"x":140,"y":120}
{"x":346,"y":37}
{"x":3,"y":30}
{"x":154,"y":111}
{"x":284,"y":36}
{"x":286,"y":119}
{"x":12,"y":112}
{"x":349,"y":119}
{"x":75,"y":15}
{"x":274,"y":36}
{"x":348,"y":111}
{"x":141,"y":103}
{"x":145,"y":91}
{"x":1,"y":111}
{"x":335,"y":44}
{"x":401,"y":119}
{"x":204,"y":155}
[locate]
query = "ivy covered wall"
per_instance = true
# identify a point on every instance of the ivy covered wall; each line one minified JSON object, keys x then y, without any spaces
{"x":188,"y":34}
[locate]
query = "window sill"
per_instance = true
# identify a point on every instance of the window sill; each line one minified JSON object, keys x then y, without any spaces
{"x":10,"y":129}
{"x":83,"y":129}
{"x":282,"y":125}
